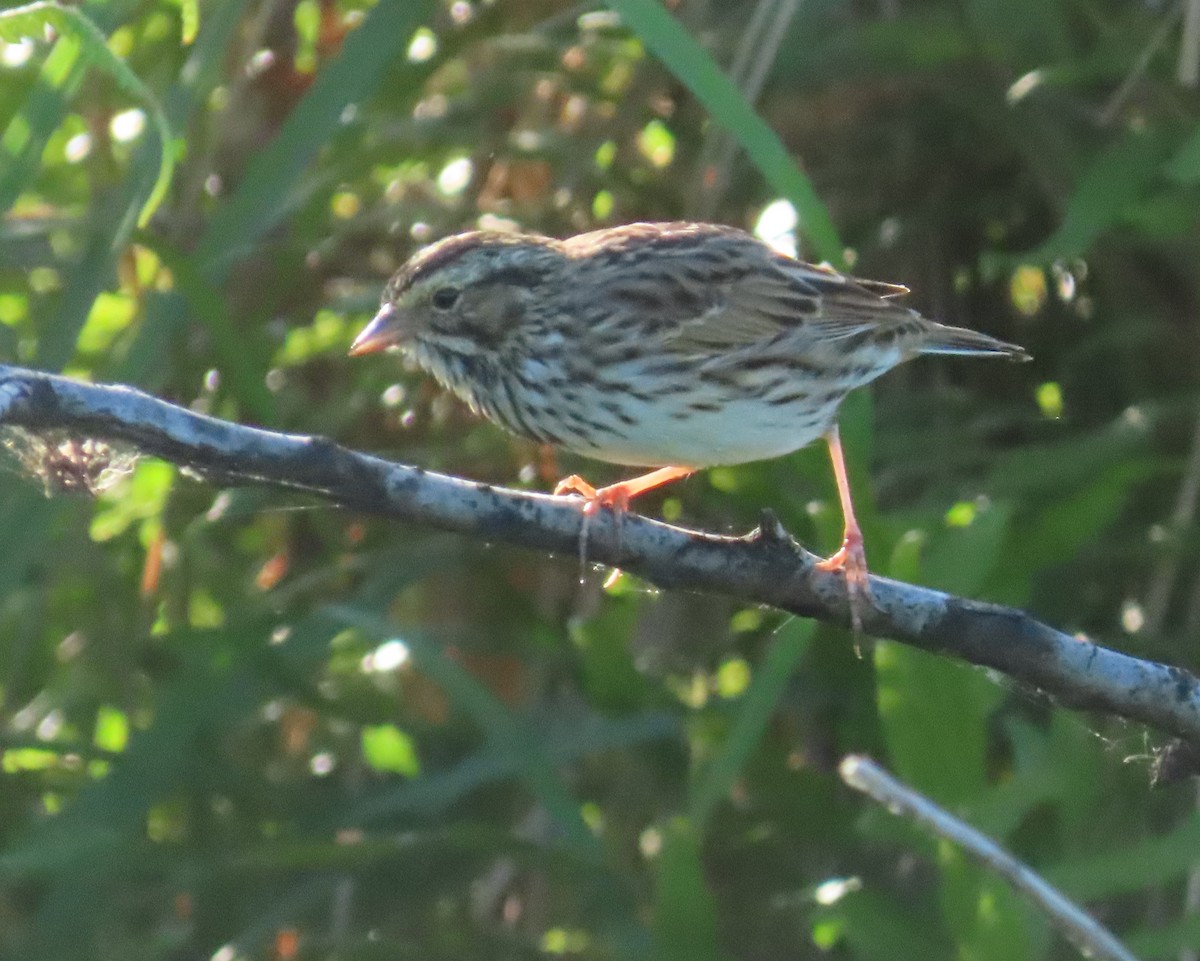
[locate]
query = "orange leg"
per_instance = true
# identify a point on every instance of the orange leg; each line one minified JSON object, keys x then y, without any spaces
{"x":851,"y":559}
{"x":618,"y":496}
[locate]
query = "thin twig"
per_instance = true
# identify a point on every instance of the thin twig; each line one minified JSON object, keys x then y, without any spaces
{"x":1156,"y":42}
{"x":748,"y":42}
{"x":1162,"y":580}
{"x":766,"y":566}
{"x":1092,"y":938}
{"x":757,"y":49}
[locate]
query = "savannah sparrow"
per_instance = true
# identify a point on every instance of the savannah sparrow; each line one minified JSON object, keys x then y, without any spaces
{"x":680,"y":344}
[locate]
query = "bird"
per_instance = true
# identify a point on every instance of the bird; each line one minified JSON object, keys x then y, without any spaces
{"x":677,"y":346}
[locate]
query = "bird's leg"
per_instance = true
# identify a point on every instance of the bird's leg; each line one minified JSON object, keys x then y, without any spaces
{"x":851,"y":559}
{"x":617,"y":496}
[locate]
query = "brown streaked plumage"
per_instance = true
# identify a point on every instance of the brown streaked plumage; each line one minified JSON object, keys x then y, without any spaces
{"x":680,"y":344}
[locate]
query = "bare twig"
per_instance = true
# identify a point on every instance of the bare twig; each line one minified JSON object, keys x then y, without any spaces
{"x":1092,"y":938}
{"x":1156,"y":42}
{"x":765,"y":567}
{"x":1162,"y":580}
{"x":756,"y":52}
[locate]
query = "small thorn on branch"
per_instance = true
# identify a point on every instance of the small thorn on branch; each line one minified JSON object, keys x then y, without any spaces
{"x":771,"y":531}
{"x":771,"y":534}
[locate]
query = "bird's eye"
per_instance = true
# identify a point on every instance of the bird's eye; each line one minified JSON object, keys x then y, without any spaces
{"x":444,"y":298}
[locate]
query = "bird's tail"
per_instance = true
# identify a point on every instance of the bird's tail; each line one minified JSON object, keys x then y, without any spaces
{"x":941,"y":339}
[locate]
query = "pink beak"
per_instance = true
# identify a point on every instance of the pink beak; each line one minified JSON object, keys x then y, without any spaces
{"x":385,"y":330}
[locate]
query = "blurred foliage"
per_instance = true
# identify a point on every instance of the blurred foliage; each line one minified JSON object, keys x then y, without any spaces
{"x":234,"y":725}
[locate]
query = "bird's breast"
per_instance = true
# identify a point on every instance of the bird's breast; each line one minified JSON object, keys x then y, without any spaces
{"x":665,"y":409}
{"x":681,"y":419}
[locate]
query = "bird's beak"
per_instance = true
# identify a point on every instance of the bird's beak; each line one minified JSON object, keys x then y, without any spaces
{"x":385,"y":330}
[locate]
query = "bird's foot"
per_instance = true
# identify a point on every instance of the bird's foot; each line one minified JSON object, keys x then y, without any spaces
{"x":851,"y":560}
{"x":615,"y":496}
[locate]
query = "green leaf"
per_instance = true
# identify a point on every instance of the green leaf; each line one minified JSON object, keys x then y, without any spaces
{"x":436,"y":790}
{"x":960,"y":556}
{"x":25,"y":137}
{"x":140,"y":496}
{"x":1049,"y":766}
{"x":1056,"y":533}
{"x":31,"y":21}
{"x":989,"y":920}
{"x":611,"y":679}
{"x":1184,"y":167}
{"x":261,"y":200}
{"x":507,"y":735}
{"x":1167,"y":941}
{"x":189,"y":14}
{"x":112,"y":729}
{"x":1112,"y":183}
{"x":685,"y":912}
{"x":110,"y":812}
{"x":106,"y":233}
{"x":26,"y":515}
{"x":923,"y":697}
{"x":935,"y":713}
{"x":1134,"y":865}
{"x":387,"y":748}
{"x":878,"y":928}
{"x":241,"y":364}
{"x":770,"y":681}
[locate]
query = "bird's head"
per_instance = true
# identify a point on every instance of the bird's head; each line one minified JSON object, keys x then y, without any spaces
{"x":461,"y":296}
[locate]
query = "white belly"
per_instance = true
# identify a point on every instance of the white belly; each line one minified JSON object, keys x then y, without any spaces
{"x":740,"y":432}
{"x":773,"y":415}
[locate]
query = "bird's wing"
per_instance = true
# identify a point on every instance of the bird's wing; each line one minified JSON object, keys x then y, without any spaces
{"x":780,"y":297}
{"x":700,"y":289}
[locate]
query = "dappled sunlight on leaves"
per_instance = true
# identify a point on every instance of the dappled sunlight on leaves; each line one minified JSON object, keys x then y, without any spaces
{"x":238,"y":724}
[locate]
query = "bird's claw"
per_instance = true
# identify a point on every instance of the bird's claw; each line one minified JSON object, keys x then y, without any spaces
{"x":574,"y":485}
{"x":615,"y":496}
{"x":851,"y":560}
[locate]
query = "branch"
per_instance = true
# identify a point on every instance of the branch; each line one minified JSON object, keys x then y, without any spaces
{"x":1092,"y":938}
{"x":766,"y":566}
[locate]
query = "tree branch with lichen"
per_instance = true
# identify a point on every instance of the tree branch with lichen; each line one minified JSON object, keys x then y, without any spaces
{"x":766,"y":566}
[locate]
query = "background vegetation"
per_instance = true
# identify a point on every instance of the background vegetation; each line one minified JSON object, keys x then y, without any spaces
{"x":236,"y":726}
